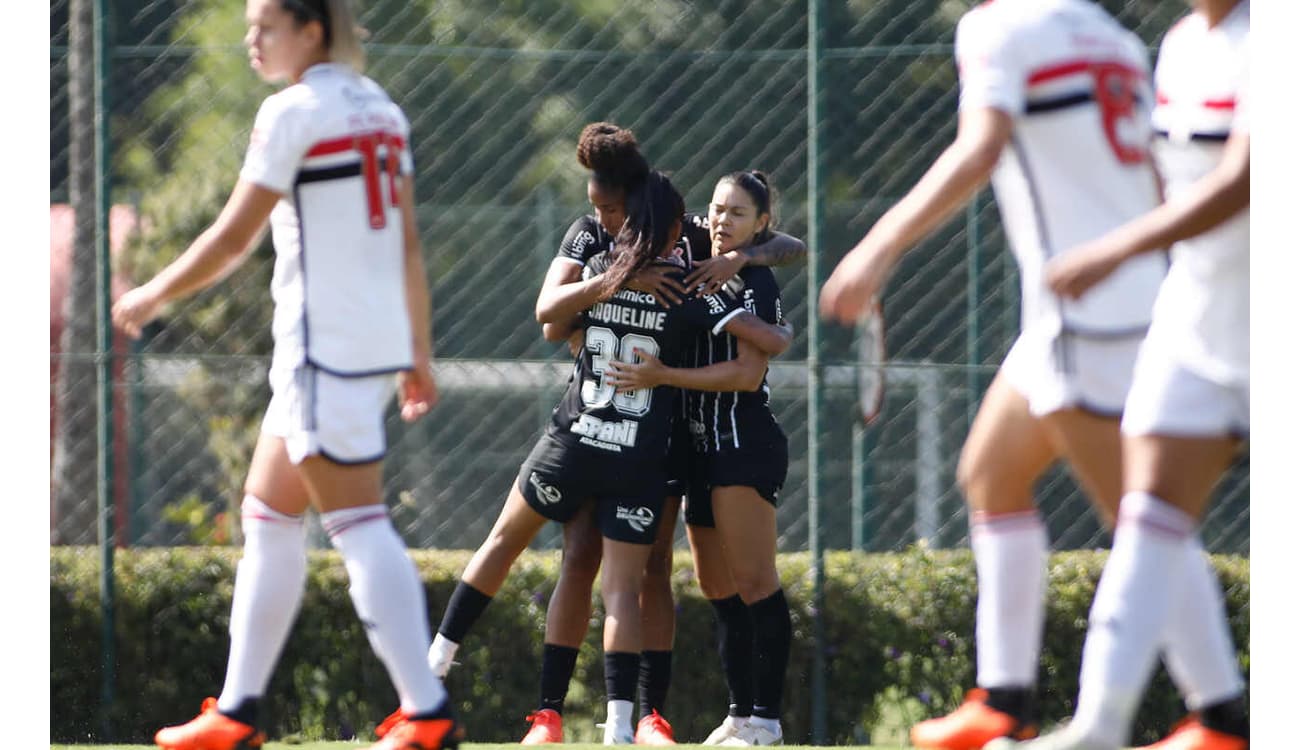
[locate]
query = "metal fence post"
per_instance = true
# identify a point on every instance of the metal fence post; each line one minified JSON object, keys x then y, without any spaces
{"x":104,"y":369}
{"x":815,"y":374}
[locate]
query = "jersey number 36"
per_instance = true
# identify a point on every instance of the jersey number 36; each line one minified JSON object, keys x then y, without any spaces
{"x":605,"y":346}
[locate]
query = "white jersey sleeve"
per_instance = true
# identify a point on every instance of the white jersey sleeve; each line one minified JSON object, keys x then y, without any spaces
{"x":989,"y":70}
{"x":276,"y":147}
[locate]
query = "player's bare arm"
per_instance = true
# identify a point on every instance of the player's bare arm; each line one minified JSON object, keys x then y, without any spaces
{"x":565,"y":293}
{"x":744,"y":373}
{"x":1215,"y":198}
{"x":213,"y":254}
{"x":771,"y":339}
{"x":958,"y":173}
{"x":781,"y":250}
{"x":417,"y":389}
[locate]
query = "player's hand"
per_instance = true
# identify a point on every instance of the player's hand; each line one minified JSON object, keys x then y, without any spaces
{"x":136,"y":309}
{"x":1073,"y":273}
{"x":710,"y":275}
{"x":417,"y":391}
{"x":661,"y":283}
{"x":630,"y":376}
{"x":854,"y":283}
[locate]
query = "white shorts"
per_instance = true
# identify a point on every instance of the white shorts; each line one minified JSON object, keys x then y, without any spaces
{"x":1169,"y":399}
{"x":1069,"y":371}
{"x":316,"y":413}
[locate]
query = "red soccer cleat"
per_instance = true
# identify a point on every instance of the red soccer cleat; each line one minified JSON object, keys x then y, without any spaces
{"x":1190,"y":734}
{"x":970,"y":727}
{"x":654,"y":729}
{"x":210,"y":730}
{"x":547,"y":729}
{"x":401,"y":733}
{"x":389,"y":722}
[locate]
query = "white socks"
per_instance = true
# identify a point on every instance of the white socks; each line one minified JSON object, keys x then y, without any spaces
{"x":268,"y":590}
{"x":441,"y":654}
{"x":389,"y":599}
{"x":1011,"y":565}
{"x":618,"y":722}
{"x":1142,"y":583}
{"x":1198,"y":648}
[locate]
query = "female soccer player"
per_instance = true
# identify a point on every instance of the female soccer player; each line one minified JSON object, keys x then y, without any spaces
{"x":1053,"y":98}
{"x":738,"y":467}
{"x":329,"y":165}
{"x":608,"y":448}
{"x":616,"y":164}
{"x":1189,"y":407}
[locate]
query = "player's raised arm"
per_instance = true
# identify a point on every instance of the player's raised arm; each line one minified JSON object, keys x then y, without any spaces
{"x":958,"y":173}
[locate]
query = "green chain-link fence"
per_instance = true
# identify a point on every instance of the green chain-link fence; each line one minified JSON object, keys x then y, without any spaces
{"x":496,"y":94}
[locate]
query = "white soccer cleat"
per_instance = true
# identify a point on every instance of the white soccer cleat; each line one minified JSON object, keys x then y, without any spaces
{"x":730,"y":727}
{"x":1061,"y":739}
{"x":753,"y":735}
{"x":441,"y":654}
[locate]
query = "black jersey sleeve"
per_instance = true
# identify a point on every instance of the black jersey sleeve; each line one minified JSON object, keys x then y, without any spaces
{"x":758,"y":292}
{"x":584,"y":239}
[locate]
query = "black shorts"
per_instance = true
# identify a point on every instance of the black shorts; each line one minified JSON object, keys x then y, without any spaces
{"x":558,"y":480}
{"x":762,"y":467}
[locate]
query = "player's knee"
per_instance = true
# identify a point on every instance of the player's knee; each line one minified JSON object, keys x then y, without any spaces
{"x":756,"y":584}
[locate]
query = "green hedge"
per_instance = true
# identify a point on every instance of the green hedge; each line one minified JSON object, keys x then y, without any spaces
{"x":899,"y":627}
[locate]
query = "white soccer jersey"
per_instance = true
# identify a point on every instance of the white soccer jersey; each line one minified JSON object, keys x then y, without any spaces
{"x":1202,"y":314}
{"x":333,"y":145}
{"x":1077,"y":85}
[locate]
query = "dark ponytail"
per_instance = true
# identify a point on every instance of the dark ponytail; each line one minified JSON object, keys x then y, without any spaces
{"x":613,"y":156}
{"x":654,"y":208}
{"x":760,"y":189}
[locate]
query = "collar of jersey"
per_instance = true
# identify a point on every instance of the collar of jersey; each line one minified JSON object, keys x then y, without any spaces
{"x":324,"y":67}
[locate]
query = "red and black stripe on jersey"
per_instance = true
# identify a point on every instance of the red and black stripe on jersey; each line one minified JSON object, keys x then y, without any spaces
{"x":632,"y":430}
{"x":732,"y":420}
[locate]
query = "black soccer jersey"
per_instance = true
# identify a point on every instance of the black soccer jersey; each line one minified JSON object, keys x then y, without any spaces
{"x":695,"y":242}
{"x":585,"y":239}
{"x":632,"y":429}
{"x":722,"y":421}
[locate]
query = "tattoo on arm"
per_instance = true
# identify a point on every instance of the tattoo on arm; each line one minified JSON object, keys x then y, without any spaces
{"x":781,"y":250}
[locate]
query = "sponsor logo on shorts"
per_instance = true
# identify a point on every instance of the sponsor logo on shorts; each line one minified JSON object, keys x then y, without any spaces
{"x":547,"y":494}
{"x":639,"y":518}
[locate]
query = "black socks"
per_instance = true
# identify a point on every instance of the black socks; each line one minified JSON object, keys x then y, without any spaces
{"x":735,"y":640}
{"x":463,"y":610}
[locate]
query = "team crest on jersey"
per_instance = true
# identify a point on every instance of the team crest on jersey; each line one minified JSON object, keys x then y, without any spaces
{"x":639,"y":518}
{"x":547,"y":494}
